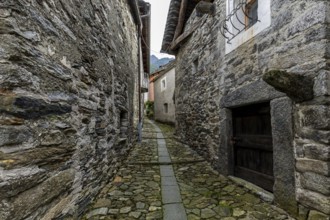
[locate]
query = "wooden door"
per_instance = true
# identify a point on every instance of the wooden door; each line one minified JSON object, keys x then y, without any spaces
{"x":253,"y":148}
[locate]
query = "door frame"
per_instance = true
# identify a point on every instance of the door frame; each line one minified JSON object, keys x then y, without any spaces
{"x":281,"y":109}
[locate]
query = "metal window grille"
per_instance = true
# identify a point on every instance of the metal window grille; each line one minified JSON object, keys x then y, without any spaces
{"x":234,"y":23}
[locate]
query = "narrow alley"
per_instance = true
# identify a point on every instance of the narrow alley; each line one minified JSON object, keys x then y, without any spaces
{"x":245,"y":82}
{"x":164,"y":179}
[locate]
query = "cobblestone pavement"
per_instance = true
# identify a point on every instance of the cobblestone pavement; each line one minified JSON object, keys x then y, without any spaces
{"x":141,"y":191}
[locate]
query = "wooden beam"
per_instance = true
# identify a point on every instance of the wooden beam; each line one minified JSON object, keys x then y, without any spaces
{"x":182,"y":14}
{"x":176,"y":43}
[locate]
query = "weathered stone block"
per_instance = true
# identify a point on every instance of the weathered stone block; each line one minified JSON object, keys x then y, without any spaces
{"x":52,"y":156}
{"x":29,"y":107}
{"x":225,"y":152}
{"x":319,"y":136}
{"x":322,"y":84}
{"x":23,"y":206}
{"x":283,"y":153}
{"x":14,"y":76}
{"x":54,"y":137}
{"x":315,"y":182}
{"x":317,"y":152}
{"x":254,"y":92}
{"x":297,"y":87}
{"x":18,"y":180}
{"x":315,"y":117}
{"x":310,"y":17}
{"x":14,"y":135}
{"x":6,"y":120}
{"x":302,"y":212}
{"x":314,"y":200}
{"x":315,"y":215}
{"x":315,"y":166}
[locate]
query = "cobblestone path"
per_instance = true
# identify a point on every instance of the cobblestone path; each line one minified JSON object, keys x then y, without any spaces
{"x":164,"y":179}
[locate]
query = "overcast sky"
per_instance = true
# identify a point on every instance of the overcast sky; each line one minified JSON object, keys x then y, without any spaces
{"x":159,"y":9}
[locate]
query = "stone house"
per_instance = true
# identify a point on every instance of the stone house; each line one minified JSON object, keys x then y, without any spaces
{"x":164,"y":86}
{"x":252,"y":93}
{"x":71,"y":76}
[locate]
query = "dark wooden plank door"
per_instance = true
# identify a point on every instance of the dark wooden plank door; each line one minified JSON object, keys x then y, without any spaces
{"x":253,"y":148}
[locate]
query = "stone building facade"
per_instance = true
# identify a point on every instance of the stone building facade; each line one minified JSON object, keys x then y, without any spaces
{"x":280,"y":65}
{"x":69,"y":78}
{"x":164,"y":86}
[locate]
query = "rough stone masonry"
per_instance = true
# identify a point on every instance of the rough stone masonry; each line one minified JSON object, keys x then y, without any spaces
{"x":67,"y":77}
{"x":296,"y":46}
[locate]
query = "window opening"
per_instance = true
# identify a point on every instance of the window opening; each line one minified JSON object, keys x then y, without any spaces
{"x":195,"y":66}
{"x":123,"y":124}
{"x":251,"y":9}
{"x":163,"y":84}
{"x":165,"y":107}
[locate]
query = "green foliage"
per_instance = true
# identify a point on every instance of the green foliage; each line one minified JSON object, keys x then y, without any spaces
{"x":149,"y":106}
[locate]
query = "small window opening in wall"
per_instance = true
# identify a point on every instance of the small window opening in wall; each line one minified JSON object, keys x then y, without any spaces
{"x":165,"y":107}
{"x":195,"y":66}
{"x":163,"y":84}
{"x":123,"y":124}
{"x":251,"y":11}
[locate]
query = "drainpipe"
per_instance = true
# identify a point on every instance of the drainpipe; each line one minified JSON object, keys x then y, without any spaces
{"x":136,"y":15}
{"x":139,"y":84}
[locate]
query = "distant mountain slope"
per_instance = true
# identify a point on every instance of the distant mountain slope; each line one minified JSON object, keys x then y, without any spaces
{"x":155,"y":63}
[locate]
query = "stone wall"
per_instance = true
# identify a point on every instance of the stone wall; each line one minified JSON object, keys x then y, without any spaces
{"x":298,"y":42}
{"x":67,"y":75}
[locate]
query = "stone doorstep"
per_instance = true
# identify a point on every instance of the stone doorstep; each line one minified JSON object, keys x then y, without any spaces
{"x":259,"y":192}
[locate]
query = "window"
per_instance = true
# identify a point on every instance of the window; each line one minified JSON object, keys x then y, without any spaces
{"x":123,"y":123}
{"x":195,"y":66}
{"x":165,"y":107}
{"x":245,"y":19}
{"x":251,"y":10}
{"x":163,"y":84}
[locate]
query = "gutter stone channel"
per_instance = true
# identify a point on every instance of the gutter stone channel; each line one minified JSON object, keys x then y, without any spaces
{"x":171,"y":197}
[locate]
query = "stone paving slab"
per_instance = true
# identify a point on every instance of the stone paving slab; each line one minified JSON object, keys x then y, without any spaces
{"x":163,"y":153}
{"x":168,"y":181}
{"x":163,"y":159}
{"x":174,"y":212}
{"x":171,"y":194}
{"x":166,"y":170}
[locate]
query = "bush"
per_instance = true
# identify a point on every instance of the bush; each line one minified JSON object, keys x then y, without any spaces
{"x":149,"y":106}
